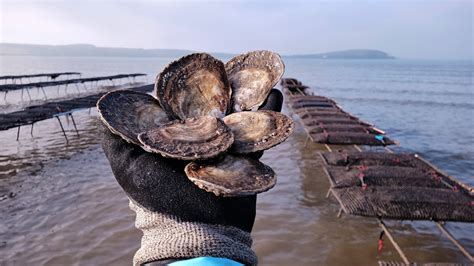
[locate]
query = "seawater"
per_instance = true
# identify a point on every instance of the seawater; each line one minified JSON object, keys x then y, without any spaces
{"x":61,"y":205}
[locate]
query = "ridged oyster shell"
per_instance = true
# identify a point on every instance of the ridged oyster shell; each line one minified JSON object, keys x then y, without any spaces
{"x":127,"y":113}
{"x":258,"y":131}
{"x":195,"y":138}
{"x":252,"y":76}
{"x":194,"y":85}
{"x":232,"y":176}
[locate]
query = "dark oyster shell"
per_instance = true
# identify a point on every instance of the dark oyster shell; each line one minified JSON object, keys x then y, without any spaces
{"x":195,"y":138}
{"x":128,"y":113}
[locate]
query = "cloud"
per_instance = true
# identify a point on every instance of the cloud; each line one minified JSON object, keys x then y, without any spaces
{"x":426,"y":29}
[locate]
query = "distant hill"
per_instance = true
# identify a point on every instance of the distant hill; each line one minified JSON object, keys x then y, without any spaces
{"x":92,"y":50}
{"x":348,"y":54}
{"x":85,"y":50}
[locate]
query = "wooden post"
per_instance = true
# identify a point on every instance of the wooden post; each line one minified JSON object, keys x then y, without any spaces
{"x":62,"y":128}
{"x":394,"y":243}
{"x":329,"y":193}
{"x":327,"y":147}
{"x":28,"y":92}
{"x":455,"y":242}
{"x":44,"y":93}
{"x":74,"y":123}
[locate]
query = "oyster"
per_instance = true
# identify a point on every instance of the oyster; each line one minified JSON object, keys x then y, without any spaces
{"x":252,"y":76}
{"x":188,"y":119}
{"x":195,"y":138}
{"x":232,"y":176}
{"x":195,"y":85}
{"x":127,"y":113}
{"x":257,"y":131}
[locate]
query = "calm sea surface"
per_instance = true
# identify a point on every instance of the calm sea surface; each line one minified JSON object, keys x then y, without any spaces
{"x":61,"y":205}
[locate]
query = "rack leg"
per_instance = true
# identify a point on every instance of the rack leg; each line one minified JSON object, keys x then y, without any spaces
{"x":388,"y":149}
{"x":74,"y":123}
{"x":28,"y":92}
{"x":306,"y":141}
{"x":62,"y":128}
{"x":329,"y":193}
{"x":328,"y":148}
{"x":44,"y":93}
{"x":455,"y":242}
{"x":31,"y":131}
{"x":394,"y":243}
{"x":18,"y":134}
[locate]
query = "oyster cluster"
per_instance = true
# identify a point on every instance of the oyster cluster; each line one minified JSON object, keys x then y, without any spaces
{"x":207,"y":113}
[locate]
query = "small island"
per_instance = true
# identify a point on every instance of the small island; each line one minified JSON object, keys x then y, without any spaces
{"x":348,"y":54}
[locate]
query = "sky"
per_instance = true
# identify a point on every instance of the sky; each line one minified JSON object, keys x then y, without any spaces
{"x":405,"y":29}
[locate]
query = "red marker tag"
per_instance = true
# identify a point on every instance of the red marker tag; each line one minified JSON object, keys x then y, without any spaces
{"x":381,"y":242}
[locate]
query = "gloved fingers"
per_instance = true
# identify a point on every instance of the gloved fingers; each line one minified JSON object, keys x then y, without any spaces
{"x":256,"y":155}
{"x":111,"y":143}
{"x":159,"y":184}
{"x":273,"y":102}
{"x":240,"y":212}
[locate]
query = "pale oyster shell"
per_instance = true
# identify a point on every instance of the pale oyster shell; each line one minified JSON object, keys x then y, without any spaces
{"x":195,"y":85}
{"x":258,"y":131}
{"x":252,"y":76}
{"x":232,"y":176}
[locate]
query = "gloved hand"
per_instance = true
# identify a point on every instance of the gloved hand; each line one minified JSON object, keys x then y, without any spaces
{"x":178,"y":219}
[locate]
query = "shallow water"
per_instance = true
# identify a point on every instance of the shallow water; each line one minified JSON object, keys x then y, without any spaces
{"x":61,"y":205}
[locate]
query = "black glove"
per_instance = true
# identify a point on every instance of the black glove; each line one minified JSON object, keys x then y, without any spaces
{"x":159,"y":184}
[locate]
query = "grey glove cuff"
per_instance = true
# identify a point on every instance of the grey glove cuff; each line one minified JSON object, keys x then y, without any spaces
{"x":167,"y":237}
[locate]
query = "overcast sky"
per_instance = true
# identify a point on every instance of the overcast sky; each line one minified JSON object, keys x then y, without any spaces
{"x":407,"y":29}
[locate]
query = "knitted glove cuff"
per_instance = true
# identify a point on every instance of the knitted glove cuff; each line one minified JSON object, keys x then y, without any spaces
{"x":169,"y":237}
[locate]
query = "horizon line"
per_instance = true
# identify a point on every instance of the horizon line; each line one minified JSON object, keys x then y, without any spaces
{"x":305,"y":54}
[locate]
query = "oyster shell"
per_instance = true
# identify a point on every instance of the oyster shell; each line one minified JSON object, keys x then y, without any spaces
{"x":232,"y":176}
{"x":195,"y":138}
{"x":127,"y":113}
{"x":257,"y":131}
{"x":252,"y":76}
{"x":195,"y":85}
